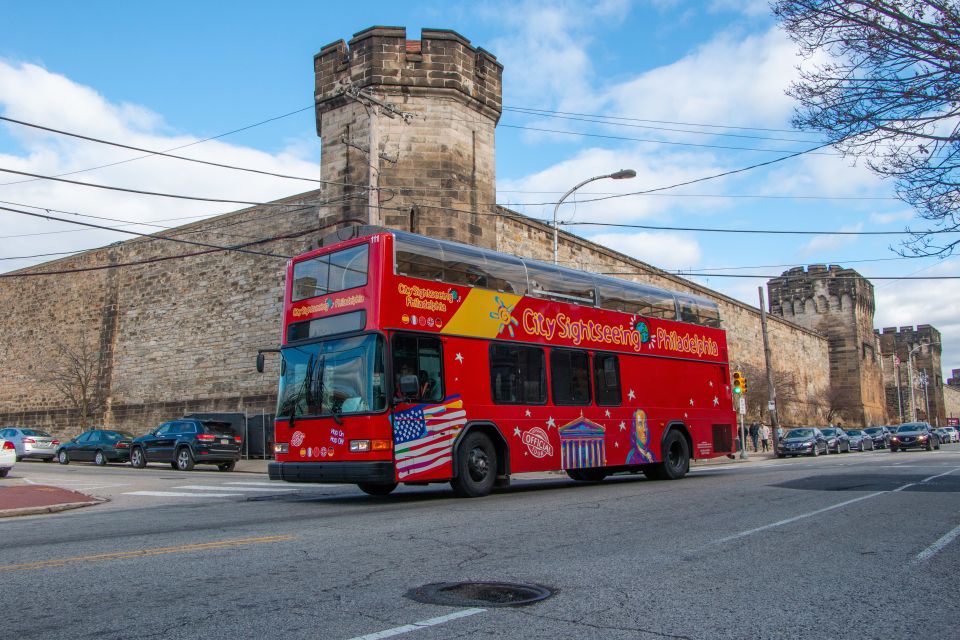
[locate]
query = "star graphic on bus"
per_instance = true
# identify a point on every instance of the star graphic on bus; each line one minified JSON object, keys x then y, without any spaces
{"x":459,"y":358}
{"x":632,"y":395}
{"x":607,"y":413}
{"x":691,"y":402}
{"x":503,"y":315}
{"x":716,"y":401}
{"x":516,"y":431}
{"x":550,"y":423}
{"x":527,"y":413}
{"x":623,"y":426}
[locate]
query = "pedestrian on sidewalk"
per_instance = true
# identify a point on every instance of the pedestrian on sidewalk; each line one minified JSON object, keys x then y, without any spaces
{"x":765,"y":437}
{"x":754,"y":434}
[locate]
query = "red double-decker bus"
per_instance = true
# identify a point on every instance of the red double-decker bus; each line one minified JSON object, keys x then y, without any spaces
{"x":407,"y":359}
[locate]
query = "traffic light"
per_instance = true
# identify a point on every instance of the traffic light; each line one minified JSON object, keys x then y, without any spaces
{"x":743,"y":384}
{"x":737,"y":383}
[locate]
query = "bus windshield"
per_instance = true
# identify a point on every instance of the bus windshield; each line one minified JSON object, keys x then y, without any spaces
{"x":333,"y":377}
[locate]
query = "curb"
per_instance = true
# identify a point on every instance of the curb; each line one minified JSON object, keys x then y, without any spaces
{"x":52,"y":508}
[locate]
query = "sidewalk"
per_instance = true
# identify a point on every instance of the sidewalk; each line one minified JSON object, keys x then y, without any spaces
{"x":24,"y":500}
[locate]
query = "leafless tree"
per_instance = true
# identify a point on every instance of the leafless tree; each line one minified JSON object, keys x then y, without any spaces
{"x":74,"y":372}
{"x":758,"y":394}
{"x":889,"y":92}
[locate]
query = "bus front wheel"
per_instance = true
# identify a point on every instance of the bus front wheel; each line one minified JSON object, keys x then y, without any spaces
{"x":476,"y":466}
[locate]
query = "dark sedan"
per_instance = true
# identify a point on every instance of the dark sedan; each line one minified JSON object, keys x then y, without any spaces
{"x":802,"y":442}
{"x":914,"y":435}
{"x":98,"y":446}
{"x":860,"y":440}
{"x":837,"y":439}
{"x":880,"y":435}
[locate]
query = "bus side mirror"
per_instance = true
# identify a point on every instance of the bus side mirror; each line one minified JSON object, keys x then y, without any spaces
{"x":259,"y":363}
{"x":409,"y":386}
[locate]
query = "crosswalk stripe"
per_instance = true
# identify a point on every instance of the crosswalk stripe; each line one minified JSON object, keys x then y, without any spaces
{"x":180,"y":494}
{"x":198,"y":487}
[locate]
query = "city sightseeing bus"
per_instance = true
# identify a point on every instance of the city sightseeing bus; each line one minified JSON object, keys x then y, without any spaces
{"x":406,"y":359}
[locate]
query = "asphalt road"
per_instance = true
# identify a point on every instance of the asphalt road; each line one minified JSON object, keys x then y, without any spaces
{"x":844,"y":546}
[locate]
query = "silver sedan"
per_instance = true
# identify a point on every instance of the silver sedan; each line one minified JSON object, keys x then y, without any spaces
{"x":31,"y":443}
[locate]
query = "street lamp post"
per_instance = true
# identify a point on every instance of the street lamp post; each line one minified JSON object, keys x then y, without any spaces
{"x":623,"y":174}
{"x":913,"y":398}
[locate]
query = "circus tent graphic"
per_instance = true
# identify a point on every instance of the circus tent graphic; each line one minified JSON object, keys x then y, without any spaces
{"x":582,"y":444}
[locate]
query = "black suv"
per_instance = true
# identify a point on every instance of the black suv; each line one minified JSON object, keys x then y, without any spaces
{"x":186,"y":442}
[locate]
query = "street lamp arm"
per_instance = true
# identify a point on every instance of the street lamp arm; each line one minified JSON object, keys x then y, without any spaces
{"x":623,"y":174}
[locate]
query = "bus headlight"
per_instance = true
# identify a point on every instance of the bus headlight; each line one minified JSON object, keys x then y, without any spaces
{"x":359,"y":446}
{"x":281,"y":447}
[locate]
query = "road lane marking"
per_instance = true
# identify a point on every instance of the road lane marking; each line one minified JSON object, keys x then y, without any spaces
{"x":181,"y":494}
{"x":780,"y":523}
{"x":944,"y":540}
{"x":200,"y":487}
{"x":407,"y":628}
{"x":142,"y":553}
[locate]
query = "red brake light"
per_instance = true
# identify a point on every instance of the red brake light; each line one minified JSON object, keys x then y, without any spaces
{"x":55,"y":442}
{"x":8,"y":445}
{"x":206,"y":437}
{"x":238,"y":439}
{"x":122,"y":445}
{"x":29,"y":441}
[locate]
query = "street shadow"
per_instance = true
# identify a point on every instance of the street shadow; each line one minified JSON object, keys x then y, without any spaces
{"x":873,"y":482}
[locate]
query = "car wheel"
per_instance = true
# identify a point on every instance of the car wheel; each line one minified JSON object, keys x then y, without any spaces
{"x":99,"y":459}
{"x":184,"y":459}
{"x":227,"y":466}
{"x":63,"y":457}
{"x":377,"y":489}
{"x":137,"y":459}
{"x":814,"y":450}
{"x":781,"y":455}
{"x":4,"y":472}
{"x":476,"y":466}
{"x":893,"y":449}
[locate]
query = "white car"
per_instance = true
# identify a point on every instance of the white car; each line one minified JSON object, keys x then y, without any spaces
{"x":954,"y":434}
{"x":8,"y":457}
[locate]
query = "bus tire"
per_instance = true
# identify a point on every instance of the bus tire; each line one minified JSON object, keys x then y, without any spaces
{"x":476,"y":466}
{"x":676,"y":459}
{"x":372,"y":489}
{"x":587,"y":475}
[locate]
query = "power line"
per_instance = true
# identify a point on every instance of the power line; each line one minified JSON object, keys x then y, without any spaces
{"x":754,"y":231}
{"x":183,"y":146}
{"x":144,"y":235}
{"x":771,"y":277}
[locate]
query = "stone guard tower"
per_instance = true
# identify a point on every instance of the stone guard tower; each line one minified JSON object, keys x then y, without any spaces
{"x":895,"y":345}
{"x":428,"y":109}
{"x":838,"y":303}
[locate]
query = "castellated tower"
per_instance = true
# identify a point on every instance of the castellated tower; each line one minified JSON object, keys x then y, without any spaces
{"x":838,"y":303}
{"x":902,"y":398}
{"x":428,"y":107}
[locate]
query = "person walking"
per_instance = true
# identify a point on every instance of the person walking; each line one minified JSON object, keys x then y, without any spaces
{"x":765,"y":437}
{"x":754,"y":434}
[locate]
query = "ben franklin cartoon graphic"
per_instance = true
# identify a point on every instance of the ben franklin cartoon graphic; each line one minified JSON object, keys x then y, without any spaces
{"x":639,"y":440}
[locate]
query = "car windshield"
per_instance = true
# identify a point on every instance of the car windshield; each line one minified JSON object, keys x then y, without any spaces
{"x":854,"y":432}
{"x":909,"y":427}
{"x":800,"y":433}
{"x":829,"y":432}
{"x":333,"y":377}
{"x":34,"y":432}
{"x":873,"y":430}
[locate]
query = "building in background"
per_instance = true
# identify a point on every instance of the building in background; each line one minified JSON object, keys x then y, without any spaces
{"x":918,"y":395}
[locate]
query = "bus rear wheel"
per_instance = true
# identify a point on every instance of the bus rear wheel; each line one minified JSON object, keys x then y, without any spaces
{"x":476,"y":466}
{"x":676,"y":459}
{"x":377,"y":489}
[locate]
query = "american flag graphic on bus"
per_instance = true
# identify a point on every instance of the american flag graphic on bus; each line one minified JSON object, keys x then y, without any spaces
{"x":423,"y":435}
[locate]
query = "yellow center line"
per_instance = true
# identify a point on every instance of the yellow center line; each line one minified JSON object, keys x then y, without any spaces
{"x":142,"y":553}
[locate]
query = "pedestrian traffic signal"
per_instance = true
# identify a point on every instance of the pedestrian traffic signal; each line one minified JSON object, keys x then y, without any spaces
{"x":737,"y":383}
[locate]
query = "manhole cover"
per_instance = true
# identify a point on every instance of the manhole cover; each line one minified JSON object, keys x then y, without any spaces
{"x":479,"y":594}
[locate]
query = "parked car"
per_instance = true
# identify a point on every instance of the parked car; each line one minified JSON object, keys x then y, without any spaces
{"x":186,"y":442}
{"x":860,"y":440}
{"x":919,"y":435}
{"x":954,"y":434}
{"x":943,"y":434}
{"x":31,"y":443}
{"x":8,"y":457}
{"x":880,"y":435}
{"x":99,"y":446}
{"x":802,"y":442}
{"x":837,"y":439}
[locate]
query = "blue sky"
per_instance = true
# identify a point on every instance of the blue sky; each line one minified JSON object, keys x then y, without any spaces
{"x":159,"y":76}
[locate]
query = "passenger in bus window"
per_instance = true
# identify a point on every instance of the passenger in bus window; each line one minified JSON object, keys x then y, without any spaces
{"x":406,"y":375}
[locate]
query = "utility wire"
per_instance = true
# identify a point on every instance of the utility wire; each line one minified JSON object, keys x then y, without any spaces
{"x":754,"y":231}
{"x":183,"y":146}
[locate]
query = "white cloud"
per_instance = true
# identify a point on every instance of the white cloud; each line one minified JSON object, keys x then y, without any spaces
{"x":669,"y":251}
{"x":829,"y":243}
{"x":33,"y":94}
{"x":888,"y":218}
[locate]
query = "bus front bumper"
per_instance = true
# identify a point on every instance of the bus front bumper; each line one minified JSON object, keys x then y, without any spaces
{"x":342,"y":472}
